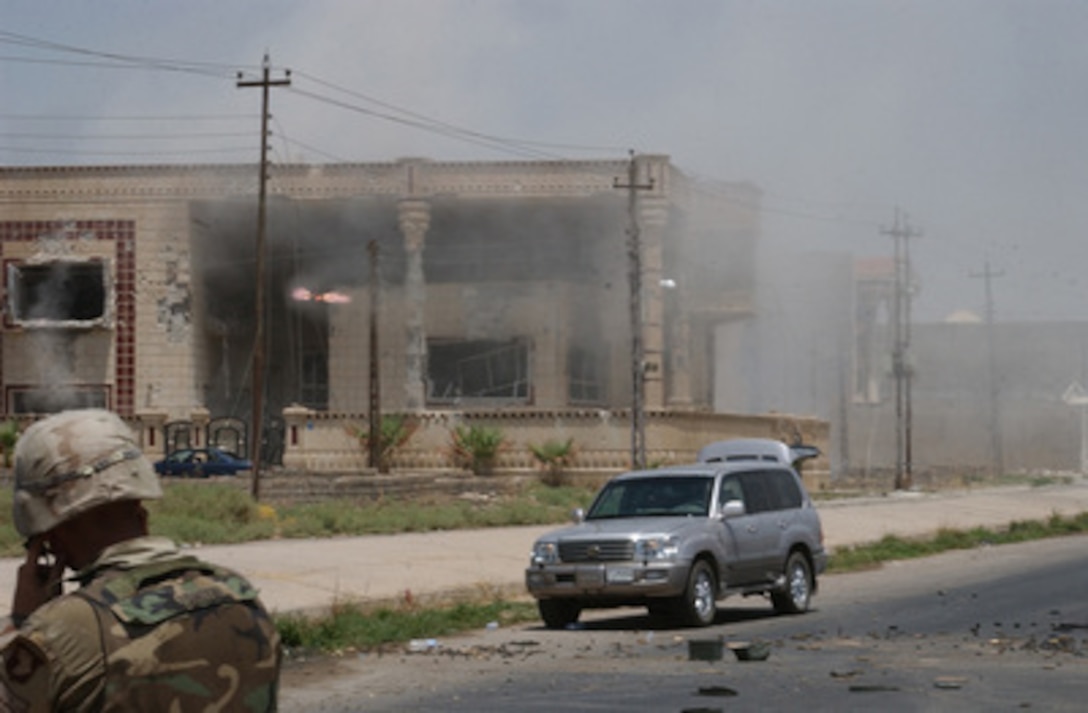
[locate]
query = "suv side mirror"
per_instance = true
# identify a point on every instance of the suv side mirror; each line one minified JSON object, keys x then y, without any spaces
{"x":732,"y":508}
{"x":578,"y":516}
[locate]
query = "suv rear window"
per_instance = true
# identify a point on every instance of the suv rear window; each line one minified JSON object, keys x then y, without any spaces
{"x":767,"y":490}
{"x":787,"y":494}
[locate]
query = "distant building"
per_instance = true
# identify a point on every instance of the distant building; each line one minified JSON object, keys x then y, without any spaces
{"x":963,"y":316}
{"x":967,"y":418}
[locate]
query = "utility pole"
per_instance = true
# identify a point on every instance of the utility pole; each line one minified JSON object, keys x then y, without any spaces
{"x":902,"y":371}
{"x":257,"y":427}
{"x":374,"y":440}
{"x":997,"y":452}
{"x":634,"y":261}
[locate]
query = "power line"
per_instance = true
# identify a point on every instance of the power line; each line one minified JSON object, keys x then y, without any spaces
{"x":708,"y":188}
{"x":288,"y":141}
{"x":121,"y":61}
{"x":452,"y":127}
{"x":82,"y":152}
{"x":108,"y":65}
{"x":462,"y":135}
{"x":123,"y":137}
{"x":131,"y":117}
{"x":521,"y":147}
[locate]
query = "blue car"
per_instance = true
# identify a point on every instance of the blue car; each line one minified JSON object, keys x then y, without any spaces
{"x":201,"y":463}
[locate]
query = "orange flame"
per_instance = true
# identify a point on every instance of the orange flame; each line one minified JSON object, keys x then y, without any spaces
{"x":302,"y":294}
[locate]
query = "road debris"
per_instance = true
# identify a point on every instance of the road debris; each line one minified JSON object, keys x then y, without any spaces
{"x":750,"y":650}
{"x":705,"y":649}
{"x":872,"y":688}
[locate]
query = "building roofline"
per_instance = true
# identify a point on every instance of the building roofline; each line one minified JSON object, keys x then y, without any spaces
{"x":344,"y":165}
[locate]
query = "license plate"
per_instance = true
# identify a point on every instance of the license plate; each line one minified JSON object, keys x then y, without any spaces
{"x":591,"y":577}
{"x":620,"y":575}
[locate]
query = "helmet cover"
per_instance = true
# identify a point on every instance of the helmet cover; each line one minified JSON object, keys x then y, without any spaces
{"x":73,"y":461}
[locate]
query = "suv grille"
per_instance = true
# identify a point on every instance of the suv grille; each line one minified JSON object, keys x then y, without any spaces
{"x":600,"y":551}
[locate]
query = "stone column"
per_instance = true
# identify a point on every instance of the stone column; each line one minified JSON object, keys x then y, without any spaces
{"x":653,"y":216}
{"x":200,"y":417}
{"x":152,"y":438}
{"x":295,"y":419}
{"x":414,"y":218}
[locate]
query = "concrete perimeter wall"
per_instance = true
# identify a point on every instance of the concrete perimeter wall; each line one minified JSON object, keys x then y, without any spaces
{"x":321,"y":442}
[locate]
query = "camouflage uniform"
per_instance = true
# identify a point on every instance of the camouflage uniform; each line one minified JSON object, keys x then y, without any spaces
{"x":150,"y":628}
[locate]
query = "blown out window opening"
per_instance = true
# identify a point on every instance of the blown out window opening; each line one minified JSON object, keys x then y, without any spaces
{"x":585,"y":373}
{"x":59,"y":293}
{"x":478,"y":370}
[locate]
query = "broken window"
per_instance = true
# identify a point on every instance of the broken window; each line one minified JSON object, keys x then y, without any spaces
{"x":482,"y":369}
{"x":585,"y":384}
{"x":58,"y":293}
{"x":315,"y":380}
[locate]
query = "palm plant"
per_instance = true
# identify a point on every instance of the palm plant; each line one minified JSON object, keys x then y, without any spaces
{"x":554,"y":457}
{"x":393,"y":432}
{"x":476,"y":447}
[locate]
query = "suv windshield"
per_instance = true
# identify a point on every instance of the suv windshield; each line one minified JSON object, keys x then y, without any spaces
{"x":644,"y":497}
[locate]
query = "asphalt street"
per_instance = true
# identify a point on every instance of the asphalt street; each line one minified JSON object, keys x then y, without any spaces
{"x":314,"y":574}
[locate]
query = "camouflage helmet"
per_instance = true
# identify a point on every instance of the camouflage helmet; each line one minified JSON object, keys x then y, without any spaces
{"x":73,"y":461}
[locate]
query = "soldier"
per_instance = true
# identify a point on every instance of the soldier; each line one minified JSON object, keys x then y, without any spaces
{"x":149,"y":628}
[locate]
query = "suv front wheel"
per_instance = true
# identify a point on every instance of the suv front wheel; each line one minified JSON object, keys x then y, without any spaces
{"x":795,"y":597}
{"x":558,"y":613}
{"x":697,"y":606}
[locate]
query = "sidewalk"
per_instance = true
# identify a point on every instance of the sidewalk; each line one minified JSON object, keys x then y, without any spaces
{"x":314,"y":574}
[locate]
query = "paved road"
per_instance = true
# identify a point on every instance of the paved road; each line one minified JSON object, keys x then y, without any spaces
{"x":310,"y":575}
{"x":986,"y":629}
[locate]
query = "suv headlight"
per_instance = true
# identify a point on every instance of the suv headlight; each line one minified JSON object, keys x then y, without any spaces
{"x":657,"y":548}
{"x":545,"y":553}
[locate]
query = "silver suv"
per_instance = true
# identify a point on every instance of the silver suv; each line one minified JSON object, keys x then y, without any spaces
{"x":678,"y":539}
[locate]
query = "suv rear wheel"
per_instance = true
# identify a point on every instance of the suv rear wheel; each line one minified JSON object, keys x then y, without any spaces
{"x":558,"y":613}
{"x":697,"y":606}
{"x":797,"y":594}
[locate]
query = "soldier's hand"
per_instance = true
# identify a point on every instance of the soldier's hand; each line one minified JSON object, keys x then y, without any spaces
{"x":37,"y":581}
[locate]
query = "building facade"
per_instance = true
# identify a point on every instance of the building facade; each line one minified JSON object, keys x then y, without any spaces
{"x":425,"y":287}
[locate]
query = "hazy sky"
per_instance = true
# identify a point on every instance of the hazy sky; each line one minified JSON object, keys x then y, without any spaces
{"x":969,"y":115}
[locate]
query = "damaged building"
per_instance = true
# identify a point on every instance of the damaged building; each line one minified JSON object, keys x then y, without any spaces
{"x":497,"y":293}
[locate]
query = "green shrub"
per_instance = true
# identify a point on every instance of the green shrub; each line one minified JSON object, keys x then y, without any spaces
{"x":394,"y":432}
{"x":208,"y":513}
{"x":353,"y":628}
{"x":11,"y":544}
{"x":476,"y":447}
{"x":9,"y":434}
{"x":554,"y":457}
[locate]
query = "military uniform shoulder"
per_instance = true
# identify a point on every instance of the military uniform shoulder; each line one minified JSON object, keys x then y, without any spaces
{"x":57,"y":643}
{"x":59,"y":616}
{"x":24,"y":675}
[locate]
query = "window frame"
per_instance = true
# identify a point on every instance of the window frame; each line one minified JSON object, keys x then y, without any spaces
{"x":20,"y":289}
{"x":520,"y":388}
